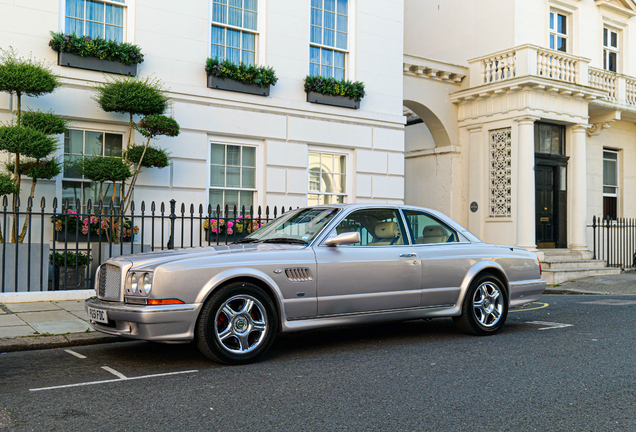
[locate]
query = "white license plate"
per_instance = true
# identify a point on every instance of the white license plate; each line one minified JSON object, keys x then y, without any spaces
{"x":98,"y":315}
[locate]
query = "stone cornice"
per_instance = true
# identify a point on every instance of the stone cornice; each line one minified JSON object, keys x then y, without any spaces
{"x":421,"y":67}
{"x":623,"y":7}
{"x":433,"y":151}
{"x":528,"y":82}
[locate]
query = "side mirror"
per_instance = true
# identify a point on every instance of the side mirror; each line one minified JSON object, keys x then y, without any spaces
{"x":343,"y":239}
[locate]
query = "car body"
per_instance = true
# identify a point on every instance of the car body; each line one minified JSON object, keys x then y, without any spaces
{"x":321,"y":266}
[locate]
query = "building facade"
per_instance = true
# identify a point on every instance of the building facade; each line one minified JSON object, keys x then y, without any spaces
{"x":234,"y":148}
{"x":522,"y":116}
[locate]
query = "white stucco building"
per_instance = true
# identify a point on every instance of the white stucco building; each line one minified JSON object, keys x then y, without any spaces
{"x":528,"y":112}
{"x":235,"y":148}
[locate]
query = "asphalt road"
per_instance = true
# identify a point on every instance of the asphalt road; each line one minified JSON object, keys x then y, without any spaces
{"x":418,"y":375}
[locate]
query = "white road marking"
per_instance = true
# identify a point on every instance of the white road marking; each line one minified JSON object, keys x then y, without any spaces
{"x":114,"y":372}
{"x":78,"y":355}
{"x":551,"y":325}
{"x":114,"y":380}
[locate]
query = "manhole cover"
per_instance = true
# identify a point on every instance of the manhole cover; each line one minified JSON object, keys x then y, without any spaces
{"x":612,"y":302}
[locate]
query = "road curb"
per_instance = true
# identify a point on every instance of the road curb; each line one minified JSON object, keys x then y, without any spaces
{"x":27,"y":343}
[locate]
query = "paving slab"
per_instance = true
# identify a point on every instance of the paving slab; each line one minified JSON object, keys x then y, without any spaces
{"x":32,"y":307}
{"x":71,"y":305}
{"x":58,"y":315}
{"x":10,"y":321}
{"x":622,"y":284}
{"x":81,"y":315}
{"x":15,"y":331}
{"x":60,"y":327}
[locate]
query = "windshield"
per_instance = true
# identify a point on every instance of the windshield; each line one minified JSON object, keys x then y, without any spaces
{"x":300,"y":226}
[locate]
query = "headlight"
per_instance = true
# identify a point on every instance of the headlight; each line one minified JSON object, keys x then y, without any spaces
{"x":147,"y":283}
{"x":133,"y":283}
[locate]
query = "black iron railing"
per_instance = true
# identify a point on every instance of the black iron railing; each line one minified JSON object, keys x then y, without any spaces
{"x":63,"y":246}
{"x":614,"y":241}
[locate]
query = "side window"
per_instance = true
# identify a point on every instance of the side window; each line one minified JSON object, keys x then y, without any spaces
{"x":426,"y":229}
{"x":377,"y":227}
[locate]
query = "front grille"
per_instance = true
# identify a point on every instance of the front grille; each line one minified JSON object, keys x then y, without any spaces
{"x":109,"y":281}
{"x":299,"y":275}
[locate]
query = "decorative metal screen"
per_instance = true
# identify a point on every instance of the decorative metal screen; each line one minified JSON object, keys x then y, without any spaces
{"x":500,"y":173}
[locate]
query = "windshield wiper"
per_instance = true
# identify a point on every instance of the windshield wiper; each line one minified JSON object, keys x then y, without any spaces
{"x":247,"y":240}
{"x":284,"y":240}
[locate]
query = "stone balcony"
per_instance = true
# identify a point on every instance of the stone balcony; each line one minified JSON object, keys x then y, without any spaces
{"x":618,"y":90}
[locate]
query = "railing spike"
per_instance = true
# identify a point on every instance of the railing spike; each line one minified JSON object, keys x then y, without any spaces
{"x":132,"y":207}
{"x":143,"y":206}
{"x":89,"y":206}
{"x":43,"y":202}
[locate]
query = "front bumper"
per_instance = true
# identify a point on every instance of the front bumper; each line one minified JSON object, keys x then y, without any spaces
{"x":169,"y":323}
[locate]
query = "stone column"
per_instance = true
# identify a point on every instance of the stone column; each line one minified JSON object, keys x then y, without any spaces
{"x":476,"y":178}
{"x":526,"y":215}
{"x":577,"y":189}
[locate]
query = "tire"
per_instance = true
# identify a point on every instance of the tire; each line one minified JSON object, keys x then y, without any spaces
{"x":485,"y":307}
{"x":237,"y":324}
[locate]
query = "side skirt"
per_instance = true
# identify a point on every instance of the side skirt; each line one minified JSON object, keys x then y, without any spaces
{"x":436,"y":311}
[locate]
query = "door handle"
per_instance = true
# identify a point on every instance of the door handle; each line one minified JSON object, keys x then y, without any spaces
{"x":407,"y":255}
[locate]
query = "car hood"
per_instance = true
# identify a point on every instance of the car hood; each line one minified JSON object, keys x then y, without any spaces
{"x":150,"y":260}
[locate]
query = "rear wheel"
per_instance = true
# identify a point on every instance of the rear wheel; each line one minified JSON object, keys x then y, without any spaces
{"x":237,"y":324}
{"x":485,"y":307}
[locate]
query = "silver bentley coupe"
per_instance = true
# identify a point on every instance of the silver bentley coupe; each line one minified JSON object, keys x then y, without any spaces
{"x":315,"y":267}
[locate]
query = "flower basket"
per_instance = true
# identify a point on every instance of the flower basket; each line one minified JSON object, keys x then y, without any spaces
{"x":213,"y":238}
{"x":95,"y":64}
{"x":339,"y":101}
{"x":235,"y":86}
{"x":72,"y":227}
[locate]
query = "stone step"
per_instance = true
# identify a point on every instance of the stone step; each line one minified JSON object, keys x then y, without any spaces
{"x":572,"y":264}
{"x":557,"y":276}
{"x":562,"y":256}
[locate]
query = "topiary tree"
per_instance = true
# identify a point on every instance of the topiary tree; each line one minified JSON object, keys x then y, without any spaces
{"x":105,"y":169}
{"x":132,"y":96}
{"x":149,"y":157}
{"x":20,"y":77}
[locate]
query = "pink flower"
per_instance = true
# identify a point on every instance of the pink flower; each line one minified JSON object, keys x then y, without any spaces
{"x":230,"y":231}
{"x":58,"y":225}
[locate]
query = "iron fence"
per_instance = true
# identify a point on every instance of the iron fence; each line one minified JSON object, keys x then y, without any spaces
{"x":61,"y":248}
{"x":614,"y":241}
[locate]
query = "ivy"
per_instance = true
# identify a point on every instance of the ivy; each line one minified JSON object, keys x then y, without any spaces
{"x":247,"y":74}
{"x":330,"y":86}
{"x":105,"y":49}
{"x":80,"y":259}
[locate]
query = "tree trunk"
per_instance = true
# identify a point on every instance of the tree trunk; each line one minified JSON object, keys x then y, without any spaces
{"x":16,"y":177}
{"x":135,"y":175}
{"x":28,"y":217}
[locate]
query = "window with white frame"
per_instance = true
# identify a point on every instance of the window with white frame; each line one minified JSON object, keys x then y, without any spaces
{"x":81,"y":144}
{"x":234,"y":30}
{"x":329,"y":33}
{"x":610,"y":184}
{"x":610,"y":50}
{"x":327,"y":178}
{"x":95,"y":18}
{"x":232,"y":176}
{"x":558,"y":31}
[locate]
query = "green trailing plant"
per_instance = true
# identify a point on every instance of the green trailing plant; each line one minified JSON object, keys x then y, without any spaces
{"x":69,"y":258}
{"x":20,"y":77}
{"x":132,"y":96}
{"x":247,"y":74}
{"x":105,"y":49}
{"x":333,"y":87}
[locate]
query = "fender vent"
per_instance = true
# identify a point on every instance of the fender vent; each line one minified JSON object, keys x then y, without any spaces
{"x":299,"y":275}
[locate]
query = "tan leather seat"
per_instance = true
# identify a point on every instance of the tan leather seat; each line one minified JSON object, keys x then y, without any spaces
{"x":386,"y":233}
{"x":432,"y":234}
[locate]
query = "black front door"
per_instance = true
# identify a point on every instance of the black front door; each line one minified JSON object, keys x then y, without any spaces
{"x":545,"y":181}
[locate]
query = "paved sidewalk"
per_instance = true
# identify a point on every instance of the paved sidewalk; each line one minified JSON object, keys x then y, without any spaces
{"x":622,"y":284}
{"x":46,"y":325}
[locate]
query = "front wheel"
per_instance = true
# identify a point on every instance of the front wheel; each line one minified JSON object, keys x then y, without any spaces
{"x":237,"y":324}
{"x":485,"y":307}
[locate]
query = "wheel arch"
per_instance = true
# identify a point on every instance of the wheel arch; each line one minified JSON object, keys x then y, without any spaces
{"x":249,"y":276}
{"x":479,"y":269}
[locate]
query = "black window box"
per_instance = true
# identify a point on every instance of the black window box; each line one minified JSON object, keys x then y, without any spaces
{"x":235,"y":86}
{"x":73,"y":237}
{"x":339,"y":101}
{"x":96,"y":64}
